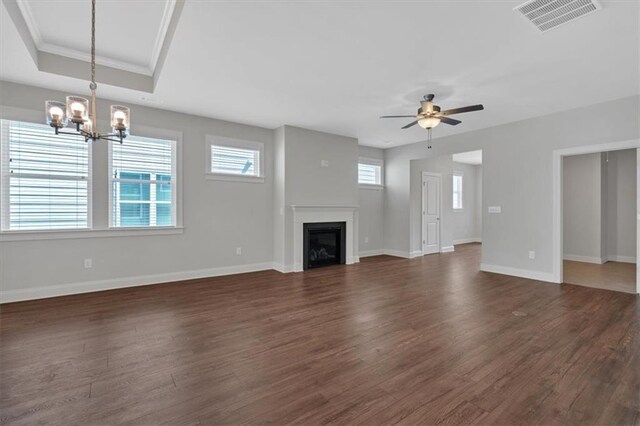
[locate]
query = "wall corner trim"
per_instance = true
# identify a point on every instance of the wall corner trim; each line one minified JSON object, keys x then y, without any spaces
{"x":447,"y":249}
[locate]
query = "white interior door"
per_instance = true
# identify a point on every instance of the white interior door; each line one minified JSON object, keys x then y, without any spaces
{"x":431,"y":188}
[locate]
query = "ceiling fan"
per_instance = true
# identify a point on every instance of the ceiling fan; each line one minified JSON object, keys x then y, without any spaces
{"x":430,"y":115}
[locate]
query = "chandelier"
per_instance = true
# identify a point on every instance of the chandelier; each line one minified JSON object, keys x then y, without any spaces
{"x":76,"y":114}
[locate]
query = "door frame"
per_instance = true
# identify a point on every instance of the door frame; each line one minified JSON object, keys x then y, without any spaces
{"x":424,"y":232}
{"x":557,"y":228}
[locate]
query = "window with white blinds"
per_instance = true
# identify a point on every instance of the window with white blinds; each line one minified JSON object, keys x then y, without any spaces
{"x":46,"y":178}
{"x":142,"y":182}
{"x":370,"y":172}
{"x":235,"y":161}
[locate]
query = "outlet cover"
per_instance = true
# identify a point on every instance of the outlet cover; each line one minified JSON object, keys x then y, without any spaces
{"x":495,"y":209}
{"x":239,"y":251}
{"x":532,"y":254}
{"x":88,"y":263}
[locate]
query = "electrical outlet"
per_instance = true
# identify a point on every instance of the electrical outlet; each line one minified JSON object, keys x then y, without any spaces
{"x":495,"y":209}
{"x":532,"y":254}
{"x":238,"y":251}
{"x":366,"y":240}
{"x":324,"y":163}
{"x":88,"y":263}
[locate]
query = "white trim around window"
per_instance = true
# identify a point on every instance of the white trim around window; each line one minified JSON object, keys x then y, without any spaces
{"x":258,"y":165}
{"x":379,"y":165}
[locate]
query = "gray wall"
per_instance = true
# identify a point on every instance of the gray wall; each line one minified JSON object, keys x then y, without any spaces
{"x":599,"y":193}
{"x":621,"y":205}
{"x":517,"y":175}
{"x":371,"y":211}
{"x":218,"y":216}
{"x":303,"y":181}
{"x":582,"y":207}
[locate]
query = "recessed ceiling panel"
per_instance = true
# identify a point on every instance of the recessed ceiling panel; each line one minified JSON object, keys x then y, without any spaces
{"x":129,"y":33}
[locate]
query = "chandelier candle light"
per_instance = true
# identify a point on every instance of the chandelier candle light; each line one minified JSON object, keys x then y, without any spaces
{"x":76,"y":112}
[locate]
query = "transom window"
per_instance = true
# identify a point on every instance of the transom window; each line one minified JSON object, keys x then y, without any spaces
{"x":235,"y":159}
{"x":369,"y":172}
{"x":46,"y":178}
{"x":143,"y":182}
{"x":457,"y":191}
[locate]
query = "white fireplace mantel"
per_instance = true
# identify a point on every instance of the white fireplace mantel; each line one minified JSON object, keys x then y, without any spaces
{"x":315,"y":214}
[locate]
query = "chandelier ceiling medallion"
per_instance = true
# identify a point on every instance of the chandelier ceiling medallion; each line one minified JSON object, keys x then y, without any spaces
{"x":76,"y":112}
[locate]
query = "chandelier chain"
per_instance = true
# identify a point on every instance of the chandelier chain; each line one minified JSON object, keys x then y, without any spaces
{"x":93,"y":41}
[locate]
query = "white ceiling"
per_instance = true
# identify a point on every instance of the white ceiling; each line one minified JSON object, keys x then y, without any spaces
{"x":470,"y":157}
{"x":337,"y":66}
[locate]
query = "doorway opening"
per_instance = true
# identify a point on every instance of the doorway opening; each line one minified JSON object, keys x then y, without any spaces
{"x":595,"y":228}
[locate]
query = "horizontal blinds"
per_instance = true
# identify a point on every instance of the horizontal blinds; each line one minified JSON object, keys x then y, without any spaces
{"x":142,"y":155}
{"x":369,"y":174}
{"x":143,"y":175}
{"x":236,"y":161}
{"x":48,"y":178}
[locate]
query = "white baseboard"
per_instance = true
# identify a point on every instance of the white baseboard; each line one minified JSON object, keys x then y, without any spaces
{"x":285,"y":269}
{"x":447,"y":249}
{"x":33,"y":293}
{"x":415,"y":253}
{"x":467,"y":241}
{"x":623,"y":259}
{"x":586,"y":259}
{"x":369,"y":253}
{"x":397,"y":253}
{"x":516,"y":272}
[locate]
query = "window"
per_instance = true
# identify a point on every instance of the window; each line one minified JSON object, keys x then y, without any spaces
{"x":370,"y":172}
{"x":45,"y":178}
{"x":233,"y":159}
{"x":143,"y":182}
{"x":457,"y":191}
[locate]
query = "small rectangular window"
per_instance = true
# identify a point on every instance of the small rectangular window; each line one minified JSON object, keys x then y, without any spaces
{"x":143,"y":182}
{"x":370,"y":172}
{"x":235,"y":161}
{"x":45,"y":178}
{"x":457,"y":191}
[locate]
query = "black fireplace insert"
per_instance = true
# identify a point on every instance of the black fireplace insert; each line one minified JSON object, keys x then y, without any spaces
{"x":324,"y":244}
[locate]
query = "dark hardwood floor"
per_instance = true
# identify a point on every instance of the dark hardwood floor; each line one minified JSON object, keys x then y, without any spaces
{"x":424,"y":341}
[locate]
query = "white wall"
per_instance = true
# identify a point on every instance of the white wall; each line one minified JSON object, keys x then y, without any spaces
{"x":371,"y":211}
{"x":517,"y":175}
{"x":465,"y":221}
{"x":621,"y":205}
{"x":582,"y":208}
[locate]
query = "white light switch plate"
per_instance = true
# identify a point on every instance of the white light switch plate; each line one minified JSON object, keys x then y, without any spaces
{"x":495,"y":209}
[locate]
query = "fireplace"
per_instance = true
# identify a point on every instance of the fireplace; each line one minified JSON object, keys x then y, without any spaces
{"x":324,"y":244}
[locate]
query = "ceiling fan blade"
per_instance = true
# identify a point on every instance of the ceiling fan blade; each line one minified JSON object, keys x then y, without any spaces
{"x":451,"y":121}
{"x":463,"y":109}
{"x":413,"y":123}
{"x":397,"y":116}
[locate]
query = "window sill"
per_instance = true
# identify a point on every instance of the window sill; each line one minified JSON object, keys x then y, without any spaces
{"x":66,"y":234}
{"x":235,"y":178}
{"x":370,"y":186}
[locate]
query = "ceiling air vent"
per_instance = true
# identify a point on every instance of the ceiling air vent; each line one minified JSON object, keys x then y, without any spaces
{"x":548,"y":14}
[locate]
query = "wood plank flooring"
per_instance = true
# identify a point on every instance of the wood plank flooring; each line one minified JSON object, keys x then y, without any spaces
{"x":423,"y":341}
{"x":616,"y":276}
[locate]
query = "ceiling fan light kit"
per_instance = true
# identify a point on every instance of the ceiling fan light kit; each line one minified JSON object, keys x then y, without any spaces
{"x":79,"y":114}
{"x":429,"y":115}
